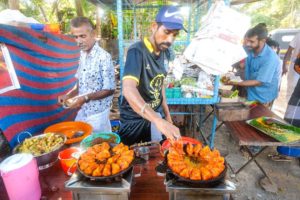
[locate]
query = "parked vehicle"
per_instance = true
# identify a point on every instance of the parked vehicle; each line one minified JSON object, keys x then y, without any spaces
{"x":283,"y":37}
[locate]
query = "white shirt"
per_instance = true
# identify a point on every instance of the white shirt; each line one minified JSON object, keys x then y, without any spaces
{"x":95,"y":73}
{"x":292,"y":76}
{"x":295,"y":43}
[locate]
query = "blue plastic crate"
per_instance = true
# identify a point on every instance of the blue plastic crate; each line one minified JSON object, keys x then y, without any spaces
{"x":198,"y":101}
{"x":173,"y":93}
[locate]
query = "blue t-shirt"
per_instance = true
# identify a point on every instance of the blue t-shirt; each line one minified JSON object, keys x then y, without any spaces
{"x":263,"y":68}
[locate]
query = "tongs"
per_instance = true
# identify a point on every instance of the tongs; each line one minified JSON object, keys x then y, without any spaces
{"x":142,"y":144}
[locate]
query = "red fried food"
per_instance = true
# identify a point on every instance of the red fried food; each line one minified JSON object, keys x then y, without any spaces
{"x":102,"y":160}
{"x":115,"y":168}
{"x":196,"y":162}
{"x":98,"y":170}
{"x":107,"y":170}
{"x":103,"y":155}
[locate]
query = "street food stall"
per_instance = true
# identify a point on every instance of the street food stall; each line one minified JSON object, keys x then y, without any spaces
{"x":65,"y":160}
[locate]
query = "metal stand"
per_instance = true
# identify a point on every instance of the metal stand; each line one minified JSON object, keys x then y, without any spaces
{"x":253,"y":158}
{"x":84,"y":189}
{"x":221,"y":191}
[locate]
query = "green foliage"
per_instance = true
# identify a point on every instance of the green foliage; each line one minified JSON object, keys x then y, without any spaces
{"x":56,"y":11}
{"x":3,"y":4}
{"x":275,"y":13}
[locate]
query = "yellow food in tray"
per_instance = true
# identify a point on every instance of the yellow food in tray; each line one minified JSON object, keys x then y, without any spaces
{"x":41,"y":144}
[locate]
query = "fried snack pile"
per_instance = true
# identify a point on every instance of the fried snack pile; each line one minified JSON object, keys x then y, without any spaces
{"x":102,"y":160}
{"x":195,"y":162}
{"x":41,"y":145}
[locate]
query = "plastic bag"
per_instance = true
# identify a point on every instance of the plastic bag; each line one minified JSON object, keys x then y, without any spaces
{"x":218,"y":43}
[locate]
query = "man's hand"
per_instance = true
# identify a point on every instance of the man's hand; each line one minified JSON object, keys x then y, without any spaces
{"x":62,"y":99}
{"x":168,"y":129}
{"x":284,"y":69}
{"x":228,"y":82}
{"x":74,"y":103}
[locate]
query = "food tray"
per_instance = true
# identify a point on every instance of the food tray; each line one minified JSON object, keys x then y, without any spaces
{"x":276,"y":129}
{"x":71,"y":129}
{"x":109,"y":137}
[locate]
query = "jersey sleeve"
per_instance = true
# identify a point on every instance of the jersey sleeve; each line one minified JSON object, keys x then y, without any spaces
{"x":133,"y":65}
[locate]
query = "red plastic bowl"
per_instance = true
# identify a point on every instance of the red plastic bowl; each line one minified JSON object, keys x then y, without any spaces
{"x":68,"y":161}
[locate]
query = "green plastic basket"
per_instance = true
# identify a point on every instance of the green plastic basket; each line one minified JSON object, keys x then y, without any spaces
{"x":173,"y":92}
{"x":87,"y":142}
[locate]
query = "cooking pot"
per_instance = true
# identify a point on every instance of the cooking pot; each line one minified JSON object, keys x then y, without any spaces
{"x":45,"y":160}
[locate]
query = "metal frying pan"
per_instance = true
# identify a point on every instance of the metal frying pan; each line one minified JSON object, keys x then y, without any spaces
{"x":115,"y":177}
{"x":164,"y":168}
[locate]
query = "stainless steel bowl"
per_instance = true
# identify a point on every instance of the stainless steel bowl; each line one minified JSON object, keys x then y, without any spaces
{"x":45,"y":160}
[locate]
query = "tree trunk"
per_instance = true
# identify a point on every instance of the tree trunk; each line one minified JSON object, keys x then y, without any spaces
{"x":43,"y":13}
{"x":98,"y":23}
{"x":13,"y":4}
{"x":78,"y":6}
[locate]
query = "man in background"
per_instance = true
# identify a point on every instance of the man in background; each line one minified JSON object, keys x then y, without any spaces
{"x":288,"y":65}
{"x":261,"y":69}
{"x":96,"y":80}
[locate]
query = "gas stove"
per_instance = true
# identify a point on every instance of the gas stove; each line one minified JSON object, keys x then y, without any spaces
{"x":85,"y":189}
{"x":181,"y":191}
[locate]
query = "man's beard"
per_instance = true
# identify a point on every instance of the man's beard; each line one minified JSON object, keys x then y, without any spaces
{"x":253,"y":48}
{"x":163,"y":46}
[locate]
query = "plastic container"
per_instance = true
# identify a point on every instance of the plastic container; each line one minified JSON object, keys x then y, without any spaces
{"x":52,"y":28}
{"x":115,"y":125}
{"x":37,"y":27}
{"x":173,"y":92}
{"x":68,"y":159}
{"x":20,"y":175}
{"x":289,"y":151}
{"x":198,"y":101}
{"x":87,"y":142}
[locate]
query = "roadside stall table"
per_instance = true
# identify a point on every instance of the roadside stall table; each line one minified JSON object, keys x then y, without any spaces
{"x":148,"y":186}
{"x":246,"y":136}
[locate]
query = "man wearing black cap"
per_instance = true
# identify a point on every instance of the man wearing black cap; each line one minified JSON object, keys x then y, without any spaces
{"x":144,"y":94}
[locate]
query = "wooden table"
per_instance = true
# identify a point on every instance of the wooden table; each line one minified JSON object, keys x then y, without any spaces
{"x":148,"y":186}
{"x":246,"y":136}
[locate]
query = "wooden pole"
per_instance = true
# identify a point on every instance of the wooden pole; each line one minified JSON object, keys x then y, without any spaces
{"x":14,"y":4}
